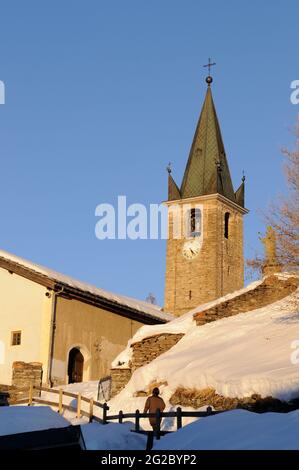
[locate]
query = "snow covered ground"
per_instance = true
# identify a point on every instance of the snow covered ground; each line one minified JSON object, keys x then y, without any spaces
{"x":22,"y":419}
{"x":182,"y":324}
{"x":112,"y":436}
{"x":231,"y":430}
{"x":19,"y":419}
{"x":87,"y":389}
{"x":236,"y":430}
{"x":238,"y":356}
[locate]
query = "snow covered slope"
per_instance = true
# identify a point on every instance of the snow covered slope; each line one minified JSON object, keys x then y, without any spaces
{"x":237,"y":430}
{"x":182,"y":324}
{"x":238,"y":356}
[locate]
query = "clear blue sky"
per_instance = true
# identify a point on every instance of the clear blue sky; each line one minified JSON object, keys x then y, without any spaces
{"x":100,"y":95}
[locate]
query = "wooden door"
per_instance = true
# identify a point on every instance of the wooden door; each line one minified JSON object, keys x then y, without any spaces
{"x":78,"y":367}
{"x":75,"y":366}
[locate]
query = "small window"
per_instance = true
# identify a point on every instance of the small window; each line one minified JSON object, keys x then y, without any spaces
{"x":16,"y":338}
{"x":226,"y":224}
{"x":194,"y":223}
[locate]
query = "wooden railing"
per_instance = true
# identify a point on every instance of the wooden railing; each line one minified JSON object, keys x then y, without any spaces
{"x":178,"y":414}
{"x":31,"y":399}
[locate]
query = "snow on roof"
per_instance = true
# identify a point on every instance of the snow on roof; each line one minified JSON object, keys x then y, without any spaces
{"x":249,"y":353}
{"x":19,"y":419}
{"x":139,"y":305}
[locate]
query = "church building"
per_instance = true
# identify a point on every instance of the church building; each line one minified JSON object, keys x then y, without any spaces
{"x":206,"y":262}
{"x":73,"y":330}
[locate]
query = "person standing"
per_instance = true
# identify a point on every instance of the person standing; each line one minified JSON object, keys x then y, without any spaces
{"x":152,"y":404}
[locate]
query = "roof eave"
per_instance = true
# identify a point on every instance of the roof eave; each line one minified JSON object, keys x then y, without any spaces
{"x":86,"y":297}
{"x":206,"y":197}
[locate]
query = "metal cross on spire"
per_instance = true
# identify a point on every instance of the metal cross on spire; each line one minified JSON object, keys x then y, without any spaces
{"x":209,"y":65}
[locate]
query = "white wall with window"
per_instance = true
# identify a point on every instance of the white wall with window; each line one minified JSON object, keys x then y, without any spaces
{"x":25,"y":313}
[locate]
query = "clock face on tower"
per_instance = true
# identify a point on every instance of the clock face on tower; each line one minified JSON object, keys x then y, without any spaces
{"x":191,"y":248}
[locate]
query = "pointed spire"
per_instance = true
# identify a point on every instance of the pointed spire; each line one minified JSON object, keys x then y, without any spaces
{"x":240,"y":193}
{"x":173,"y":190}
{"x":207,"y":170}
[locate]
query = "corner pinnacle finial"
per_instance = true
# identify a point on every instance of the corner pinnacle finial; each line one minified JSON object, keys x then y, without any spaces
{"x":168,"y":168}
{"x":210,"y":64}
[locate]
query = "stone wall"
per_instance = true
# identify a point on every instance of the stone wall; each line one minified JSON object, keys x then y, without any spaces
{"x":208,"y":397}
{"x":150,"y":348}
{"x":119,"y":379}
{"x":144,"y":352}
{"x":271,"y":290}
{"x":23,"y":374}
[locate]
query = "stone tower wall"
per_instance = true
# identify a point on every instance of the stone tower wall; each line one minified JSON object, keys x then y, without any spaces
{"x":219,"y":267}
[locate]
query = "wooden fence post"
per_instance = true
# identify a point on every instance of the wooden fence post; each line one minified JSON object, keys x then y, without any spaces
{"x":158,"y":423}
{"x":179,"y":417}
{"x":79,"y":405}
{"x":60,"y":407}
{"x":137,"y":421}
{"x":90,"y":410}
{"x":105,"y":409}
{"x":120,"y":417}
{"x":30,"y":398}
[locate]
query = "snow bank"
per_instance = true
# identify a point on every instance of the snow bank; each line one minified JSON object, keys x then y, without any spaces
{"x":87,"y":389}
{"x":112,"y":436}
{"x":236,"y":430}
{"x":182,"y":324}
{"x":237,"y":356}
{"x":18,"y":419}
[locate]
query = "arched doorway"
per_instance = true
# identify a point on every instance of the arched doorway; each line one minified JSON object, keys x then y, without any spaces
{"x":75,"y":366}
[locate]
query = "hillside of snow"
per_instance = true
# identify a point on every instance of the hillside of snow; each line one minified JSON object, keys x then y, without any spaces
{"x":238,"y":356}
{"x":236,"y":430}
{"x":182,"y":324}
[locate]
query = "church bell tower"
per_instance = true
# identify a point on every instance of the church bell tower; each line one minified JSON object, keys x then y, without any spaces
{"x":204,"y":258}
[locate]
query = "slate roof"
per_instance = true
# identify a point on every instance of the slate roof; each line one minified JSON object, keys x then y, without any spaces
{"x":207,"y":170}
